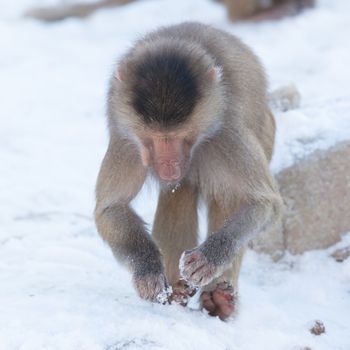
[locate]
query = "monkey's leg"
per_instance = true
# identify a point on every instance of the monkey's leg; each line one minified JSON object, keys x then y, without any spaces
{"x":219,"y":296}
{"x":175,"y":229}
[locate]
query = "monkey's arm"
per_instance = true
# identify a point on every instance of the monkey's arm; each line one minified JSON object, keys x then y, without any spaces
{"x":259,"y":206}
{"x":120,"y":179}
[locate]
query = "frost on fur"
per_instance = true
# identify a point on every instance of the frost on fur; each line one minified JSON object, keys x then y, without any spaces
{"x":164,"y":295}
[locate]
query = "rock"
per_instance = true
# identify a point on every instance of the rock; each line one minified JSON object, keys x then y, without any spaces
{"x":316,"y":193}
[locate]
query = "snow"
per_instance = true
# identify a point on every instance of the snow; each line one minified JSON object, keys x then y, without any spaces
{"x":60,"y":287}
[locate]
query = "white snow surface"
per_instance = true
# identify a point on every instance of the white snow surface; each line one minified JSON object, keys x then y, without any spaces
{"x":60,"y":287}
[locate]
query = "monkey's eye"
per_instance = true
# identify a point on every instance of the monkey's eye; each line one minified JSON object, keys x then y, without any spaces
{"x":189,"y":142}
{"x":188,"y":146}
{"x":147,"y":143}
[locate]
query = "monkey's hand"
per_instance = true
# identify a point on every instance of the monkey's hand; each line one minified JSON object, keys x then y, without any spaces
{"x":153,"y":287}
{"x":181,"y":293}
{"x":196,"y":269}
{"x":201,"y":265}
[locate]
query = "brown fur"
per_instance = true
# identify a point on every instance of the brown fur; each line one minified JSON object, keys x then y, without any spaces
{"x":233,"y":132}
{"x":180,"y":234}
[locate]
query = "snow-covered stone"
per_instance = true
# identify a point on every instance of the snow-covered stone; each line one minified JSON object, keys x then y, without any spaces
{"x":316,"y":193}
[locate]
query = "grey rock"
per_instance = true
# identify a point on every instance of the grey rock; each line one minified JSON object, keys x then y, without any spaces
{"x":316,"y":193}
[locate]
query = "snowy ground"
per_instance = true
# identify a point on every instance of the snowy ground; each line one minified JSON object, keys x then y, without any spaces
{"x":60,"y":287}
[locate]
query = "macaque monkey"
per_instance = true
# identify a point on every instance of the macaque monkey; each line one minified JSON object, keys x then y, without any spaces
{"x":187,"y":105}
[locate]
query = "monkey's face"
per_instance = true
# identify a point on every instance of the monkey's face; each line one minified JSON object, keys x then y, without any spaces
{"x":168,"y":140}
{"x":167,"y":153}
{"x":170,"y":97}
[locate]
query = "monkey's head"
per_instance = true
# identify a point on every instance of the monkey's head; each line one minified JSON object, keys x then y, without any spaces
{"x":167,"y":97}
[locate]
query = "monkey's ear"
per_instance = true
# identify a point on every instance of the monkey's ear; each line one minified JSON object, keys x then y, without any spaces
{"x":119,"y":74}
{"x":215,"y":73}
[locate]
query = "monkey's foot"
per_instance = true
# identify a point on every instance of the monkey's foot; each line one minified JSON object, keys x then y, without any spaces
{"x":220,"y":302}
{"x":153,"y":288}
{"x":195,"y":268}
{"x":182,"y":292}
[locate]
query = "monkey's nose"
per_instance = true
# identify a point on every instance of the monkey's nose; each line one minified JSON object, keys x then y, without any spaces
{"x":169,"y":171}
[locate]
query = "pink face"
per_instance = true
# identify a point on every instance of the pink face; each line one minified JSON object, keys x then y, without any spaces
{"x":167,"y":153}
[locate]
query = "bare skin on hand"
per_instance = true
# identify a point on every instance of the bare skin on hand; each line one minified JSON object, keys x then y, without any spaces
{"x":195,"y":267}
{"x":187,"y":105}
{"x":181,"y":293}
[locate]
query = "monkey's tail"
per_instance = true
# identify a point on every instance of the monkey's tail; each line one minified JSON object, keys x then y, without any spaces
{"x":285,"y":98}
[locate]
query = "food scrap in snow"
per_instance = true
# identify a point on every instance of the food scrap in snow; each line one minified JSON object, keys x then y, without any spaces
{"x":318,"y":328}
{"x":341,"y":254}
